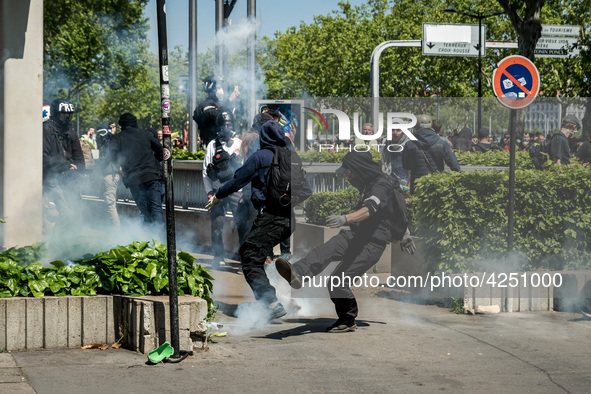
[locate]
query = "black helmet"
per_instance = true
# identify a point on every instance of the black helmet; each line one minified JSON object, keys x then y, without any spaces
{"x":225,"y":122}
{"x":211,"y":83}
{"x":61,"y":111}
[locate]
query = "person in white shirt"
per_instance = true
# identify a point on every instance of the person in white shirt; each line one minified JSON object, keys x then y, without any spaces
{"x":222,"y":158}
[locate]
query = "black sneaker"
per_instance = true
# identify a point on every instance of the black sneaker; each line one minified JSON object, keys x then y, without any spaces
{"x":285,"y":270}
{"x":277,"y":311}
{"x":340,"y":326}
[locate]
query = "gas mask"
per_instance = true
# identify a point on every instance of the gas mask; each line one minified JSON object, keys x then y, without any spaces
{"x":61,"y":112}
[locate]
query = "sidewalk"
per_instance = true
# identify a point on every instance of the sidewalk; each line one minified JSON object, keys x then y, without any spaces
{"x":399,"y":347}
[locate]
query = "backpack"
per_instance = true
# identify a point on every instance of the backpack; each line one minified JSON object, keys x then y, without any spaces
{"x":285,"y":180}
{"x":539,"y":154}
{"x":399,"y":220}
{"x":220,"y":167}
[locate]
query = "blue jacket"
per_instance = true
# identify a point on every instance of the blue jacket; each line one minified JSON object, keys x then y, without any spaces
{"x":255,"y":169}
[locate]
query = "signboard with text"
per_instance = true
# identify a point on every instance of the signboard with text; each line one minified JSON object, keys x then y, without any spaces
{"x":452,"y":39}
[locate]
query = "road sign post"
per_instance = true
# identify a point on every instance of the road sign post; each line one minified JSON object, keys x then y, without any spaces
{"x":516,"y":83}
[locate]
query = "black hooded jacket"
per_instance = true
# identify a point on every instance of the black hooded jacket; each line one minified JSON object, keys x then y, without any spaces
{"x":376,"y":193}
{"x":256,"y":169}
{"x":138,"y":152}
{"x":60,"y":150}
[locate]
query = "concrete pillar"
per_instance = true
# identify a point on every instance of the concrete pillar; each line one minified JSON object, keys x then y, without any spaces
{"x":21,"y":101}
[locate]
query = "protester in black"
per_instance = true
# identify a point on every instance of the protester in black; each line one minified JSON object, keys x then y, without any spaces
{"x":272,"y":225}
{"x":208,"y":111}
{"x":559,"y":148}
{"x":138,"y":153}
{"x":359,"y":248}
{"x":63,"y":162}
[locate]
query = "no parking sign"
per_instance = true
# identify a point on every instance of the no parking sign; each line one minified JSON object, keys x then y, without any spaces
{"x":516,"y":82}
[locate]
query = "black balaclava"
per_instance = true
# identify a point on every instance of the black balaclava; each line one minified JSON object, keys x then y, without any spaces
{"x":362,"y":165}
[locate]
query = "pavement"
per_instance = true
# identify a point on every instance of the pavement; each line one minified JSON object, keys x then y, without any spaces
{"x":400,"y":346}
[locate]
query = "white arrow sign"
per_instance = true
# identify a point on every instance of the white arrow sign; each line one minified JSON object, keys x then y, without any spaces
{"x":452,"y":40}
{"x":557,"y":47}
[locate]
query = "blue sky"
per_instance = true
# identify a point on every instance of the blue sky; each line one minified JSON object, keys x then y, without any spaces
{"x":274,"y":15}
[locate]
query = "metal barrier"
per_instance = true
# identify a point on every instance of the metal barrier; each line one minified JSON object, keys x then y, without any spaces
{"x":189,"y":191}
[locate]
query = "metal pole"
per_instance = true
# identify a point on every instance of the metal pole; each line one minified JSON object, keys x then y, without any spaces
{"x":170,"y":234}
{"x":374,"y":77}
{"x":479,"y":73}
{"x":78,"y":114}
{"x":511,"y":207}
{"x":192,"y":73}
{"x":219,"y":48}
{"x":251,"y":14}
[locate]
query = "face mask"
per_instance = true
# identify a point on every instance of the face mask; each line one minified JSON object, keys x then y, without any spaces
{"x":525,"y":143}
{"x":356,"y":182}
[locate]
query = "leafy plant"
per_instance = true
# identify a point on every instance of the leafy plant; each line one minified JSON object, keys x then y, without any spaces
{"x":463,"y":219}
{"x":494,"y":159}
{"x":326,"y":156}
{"x":320,"y":205}
{"x":182,"y":154}
{"x":137,"y":269}
{"x":457,"y":305}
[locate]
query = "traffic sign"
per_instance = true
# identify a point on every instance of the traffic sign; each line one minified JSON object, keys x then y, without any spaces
{"x":440,"y":39}
{"x":560,"y":30}
{"x":516,"y":82}
{"x":557,"y":47}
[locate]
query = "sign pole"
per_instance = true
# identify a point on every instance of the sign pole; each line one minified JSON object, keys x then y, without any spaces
{"x":170,"y":233}
{"x":511,"y":207}
{"x":516,"y":83}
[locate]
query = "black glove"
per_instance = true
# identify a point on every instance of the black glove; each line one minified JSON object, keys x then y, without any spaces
{"x":407,"y":244}
{"x":336,"y":221}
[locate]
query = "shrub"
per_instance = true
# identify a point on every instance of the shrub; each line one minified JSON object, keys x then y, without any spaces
{"x":321,"y":205}
{"x":182,"y":154}
{"x":315,"y":156}
{"x":494,"y":159}
{"x":463,"y":219}
{"x":140,"y":268}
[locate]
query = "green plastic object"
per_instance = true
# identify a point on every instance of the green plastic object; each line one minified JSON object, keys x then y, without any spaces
{"x":158,"y":355}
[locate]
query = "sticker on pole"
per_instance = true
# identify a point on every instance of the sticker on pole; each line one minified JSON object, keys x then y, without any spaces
{"x":516,"y":82}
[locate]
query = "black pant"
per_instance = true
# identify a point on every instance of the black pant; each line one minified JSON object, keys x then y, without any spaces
{"x":356,"y":256}
{"x":267,"y":230}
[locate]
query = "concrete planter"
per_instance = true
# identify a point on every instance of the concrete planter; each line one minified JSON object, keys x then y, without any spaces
{"x":140,"y":323}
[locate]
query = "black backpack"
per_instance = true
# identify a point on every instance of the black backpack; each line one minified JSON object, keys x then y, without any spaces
{"x":285,"y":180}
{"x":539,"y":154}
{"x":399,"y":220}
{"x":220,"y":167}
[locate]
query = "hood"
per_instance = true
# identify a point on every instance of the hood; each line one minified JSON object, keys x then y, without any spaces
{"x":272,"y":134}
{"x":426,"y":138}
{"x":362,"y":165}
{"x":127,"y":120}
{"x":466,"y":133}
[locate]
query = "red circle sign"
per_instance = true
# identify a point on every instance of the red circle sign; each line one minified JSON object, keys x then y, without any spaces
{"x":516,"y":82}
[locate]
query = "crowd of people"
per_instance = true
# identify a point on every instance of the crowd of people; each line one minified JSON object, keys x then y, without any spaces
{"x":243,"y":173}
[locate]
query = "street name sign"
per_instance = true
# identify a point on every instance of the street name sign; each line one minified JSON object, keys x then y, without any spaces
{"x":516,"y":82}
{"x":560,"y":30}
{"x":440,"y":39}
{"x":557,"y":47}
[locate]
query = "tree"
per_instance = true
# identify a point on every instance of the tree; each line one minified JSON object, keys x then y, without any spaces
{"x":87,"y":41}
{"x":527,"y":26}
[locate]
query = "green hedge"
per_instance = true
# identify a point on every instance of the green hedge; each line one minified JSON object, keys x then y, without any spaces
{"x":325,"y":156}
{"x":463,"y":219}
{"x":494,"y":159}
{"x":182,"y":154}
{"x":320,"y":205}
{"x":138,"y":269}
